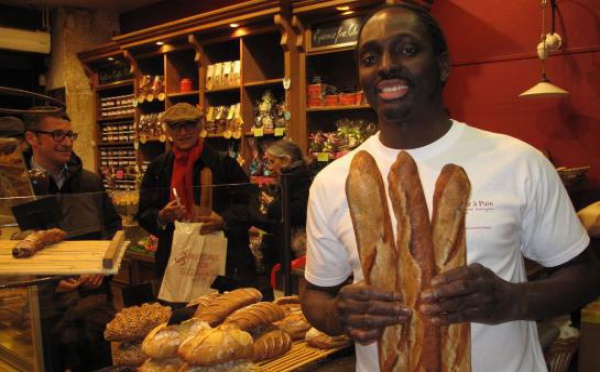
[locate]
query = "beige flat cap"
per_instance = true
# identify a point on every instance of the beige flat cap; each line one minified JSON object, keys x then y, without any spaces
{"x":182,"y":112}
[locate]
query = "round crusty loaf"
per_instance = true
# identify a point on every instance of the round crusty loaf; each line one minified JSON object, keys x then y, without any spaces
{"x":163,"y":341}
{"x":214,"y":346}
{"x":135,"y":322}
{"x":163,"y":365}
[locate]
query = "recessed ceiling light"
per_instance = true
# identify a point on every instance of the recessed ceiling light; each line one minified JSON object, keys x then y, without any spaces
{"x":234,"y":25}
{"x":348,"y":12}
{"x":342,"y":8}
{"x":111,"y":59}
{"x":160,"y":43}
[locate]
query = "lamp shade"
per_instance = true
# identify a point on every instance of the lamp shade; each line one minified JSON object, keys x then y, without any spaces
{"x":544,"y":88}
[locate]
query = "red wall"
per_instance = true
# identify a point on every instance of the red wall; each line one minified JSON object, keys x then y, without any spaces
{"x":492,"y":48}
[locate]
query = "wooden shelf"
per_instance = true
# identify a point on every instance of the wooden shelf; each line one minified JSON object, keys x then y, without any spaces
{"x":116,"y":118}
{"x":183,"y":94}
{"x":261,"y":83}
{"x":337,"y":108}
{"x":114,"y":85}
{"x":111,"y":144}
{"x":224,"y":89}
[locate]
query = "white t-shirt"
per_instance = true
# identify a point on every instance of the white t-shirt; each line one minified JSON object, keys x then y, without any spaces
{"x":518,"y":206}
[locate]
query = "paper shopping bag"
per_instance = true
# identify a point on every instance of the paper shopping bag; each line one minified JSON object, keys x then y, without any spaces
{"x":195,"y":262}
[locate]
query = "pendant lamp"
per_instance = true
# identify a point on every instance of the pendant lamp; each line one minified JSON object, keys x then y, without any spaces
{"x":551,"y":42}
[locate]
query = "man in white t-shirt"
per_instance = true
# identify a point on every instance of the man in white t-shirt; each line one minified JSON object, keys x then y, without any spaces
{"x":517,"y":208}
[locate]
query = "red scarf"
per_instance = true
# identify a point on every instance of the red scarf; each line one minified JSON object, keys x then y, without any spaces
{"x":183,"y":176}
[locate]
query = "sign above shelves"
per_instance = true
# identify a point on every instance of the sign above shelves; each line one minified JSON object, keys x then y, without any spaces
{"x":340,"y":33}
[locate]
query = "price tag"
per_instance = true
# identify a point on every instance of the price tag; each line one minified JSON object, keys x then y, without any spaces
{"x":259,"y":132}
{"x":323,"y":156}
{"x":279,"y":132}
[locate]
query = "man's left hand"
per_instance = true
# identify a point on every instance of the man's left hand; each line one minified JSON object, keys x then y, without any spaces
{"x":91,"y":281}
{"x":469,"y":294}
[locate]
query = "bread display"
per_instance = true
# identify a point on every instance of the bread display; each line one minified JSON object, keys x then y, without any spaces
{"x":37,"y":241}
{"x":255,"y":316}
{"x":321,"y":340}
{"x":410,"y":259}
{"x":134,"y":323}
{"x":296,"y":325}
{"x":271,"y":344}
{"x":163,"y":341}
{"x":209,"y":347}
{"x":128,"y":354}
{"x":220,"y":307}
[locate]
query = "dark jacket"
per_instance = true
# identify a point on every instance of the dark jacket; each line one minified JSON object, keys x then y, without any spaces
{"x":300,"y":179}
{"x":86,"y":209}
{"x":231,"y":199}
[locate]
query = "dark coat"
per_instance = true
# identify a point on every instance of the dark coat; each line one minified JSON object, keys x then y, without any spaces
{"x":231,"y":199}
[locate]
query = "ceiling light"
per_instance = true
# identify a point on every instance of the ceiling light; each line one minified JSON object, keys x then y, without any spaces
{"x":348,"y":12}
{"x":110,"y":58}
{"x":160,"y":43}
{"x":551,"y":42}
{"x":234,"y":25}
{"x":342,"y":8}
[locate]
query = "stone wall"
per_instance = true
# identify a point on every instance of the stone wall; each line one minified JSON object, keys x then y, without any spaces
{"x":75,"y":30}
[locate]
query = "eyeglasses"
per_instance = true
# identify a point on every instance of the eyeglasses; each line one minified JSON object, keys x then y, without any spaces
{"x":59,"y":135}
{"x":188,"y":126}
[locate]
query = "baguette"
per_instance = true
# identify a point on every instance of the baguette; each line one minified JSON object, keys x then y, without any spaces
{"x":320,"y":340}
{"x":416,"y":266}
{"x":209,"y":347}
{"x":450,"y":201}
{"x":287,"y":300}
{"x":37,"y":241}
{"x":372,"y":224}
{"x":296,"y":325}
{"x":271,"y":344}
{"x":221,"y":307}
{"x":255,"y":316}
{"x":203,"y":300}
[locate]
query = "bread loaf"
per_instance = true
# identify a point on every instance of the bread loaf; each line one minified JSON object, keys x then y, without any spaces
{"x":286,"y":300}
{"x":163,"y":341}
{"x":128,"y":354}
{"x":214,"y":346}
{"x":254,"y":316}
{"x":416,"y":264}
{"x":221,"y":307}
{"x":271,"y":344}
{"x":163,"y":365}
{"x":203,"y":301}
{"x":296,"y":325}
{"x":37,"y":241}
{"x":367,"y":202}
{"x":321,"y":340}
{"x":135,"y":322}
{"x":450,"y":203}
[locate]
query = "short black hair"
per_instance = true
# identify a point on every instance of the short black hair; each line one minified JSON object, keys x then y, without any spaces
{"x":33,"y":118}
{"x":425,"y":17}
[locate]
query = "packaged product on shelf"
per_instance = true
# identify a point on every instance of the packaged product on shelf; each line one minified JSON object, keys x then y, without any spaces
{"x":235,"y":73}
{"x":218,"y":73}
{"x":210,"y":73}
{"x":226,"y":73}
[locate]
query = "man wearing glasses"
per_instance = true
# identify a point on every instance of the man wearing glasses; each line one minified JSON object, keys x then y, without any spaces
{"x":79,"y":307}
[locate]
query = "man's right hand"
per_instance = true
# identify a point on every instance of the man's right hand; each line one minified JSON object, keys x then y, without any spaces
{"x":365,"y":311}
{"x":172,"y":212}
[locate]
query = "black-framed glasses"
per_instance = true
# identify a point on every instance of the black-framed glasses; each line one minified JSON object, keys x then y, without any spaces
{"x":188,"y":126}
{"x":59,"y":135}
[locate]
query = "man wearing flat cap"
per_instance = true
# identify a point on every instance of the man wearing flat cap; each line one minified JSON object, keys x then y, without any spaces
{"x":12,"y":127}
{"x":179,"y":169}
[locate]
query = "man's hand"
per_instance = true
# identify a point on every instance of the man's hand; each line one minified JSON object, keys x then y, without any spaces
{"x":172,"y":212}
{"x":470,"y":294}
{"x":211,"y":223}
{"x":91,"y":281}
{"x":364,"y":311}
{"x":67,"y":285}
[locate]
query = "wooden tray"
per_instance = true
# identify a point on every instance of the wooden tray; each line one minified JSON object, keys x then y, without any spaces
{"x":66,"y":258}
{"x":301,"y":355}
